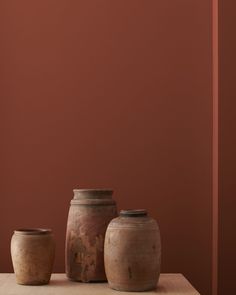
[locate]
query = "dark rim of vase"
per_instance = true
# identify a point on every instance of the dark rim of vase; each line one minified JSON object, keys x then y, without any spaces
{"x":133,"y":212}
{"x":93,"y":193}
{"x":33,"y":231}
{"x":93,"y":189}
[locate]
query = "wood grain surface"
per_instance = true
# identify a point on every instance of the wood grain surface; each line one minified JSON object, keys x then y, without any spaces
{"x":175,"y":284}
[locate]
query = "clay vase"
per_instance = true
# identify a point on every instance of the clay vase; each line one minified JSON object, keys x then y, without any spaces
{"x":132,"y":252}
{"x":90,"y":212}
{"x":32,"y":252}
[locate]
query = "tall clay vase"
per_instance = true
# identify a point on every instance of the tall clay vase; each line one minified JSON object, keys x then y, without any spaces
{"x":132,"y":252}
{"x":32,"y":252}
{"x":90,"y":212}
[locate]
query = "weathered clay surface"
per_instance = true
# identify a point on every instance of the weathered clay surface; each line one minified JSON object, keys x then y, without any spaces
{"x":89,"y":215}
{"x":132,"y":253}
{"x":32,"y":252}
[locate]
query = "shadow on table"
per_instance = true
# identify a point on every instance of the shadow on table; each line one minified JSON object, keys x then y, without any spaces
{"x":159,"y":289}
{"x":60,"y":282}
{"x":65,"y":282}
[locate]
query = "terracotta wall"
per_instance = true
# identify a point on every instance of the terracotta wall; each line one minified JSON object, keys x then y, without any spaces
{"x":114,"y":94}
{"x":227,"y":146}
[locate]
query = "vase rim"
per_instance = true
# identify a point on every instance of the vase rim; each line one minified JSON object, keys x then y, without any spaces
{"x":89,"y":194}
{"x":133,"y":212}
{"x":105,"y":190}
{"x":33,"y":231}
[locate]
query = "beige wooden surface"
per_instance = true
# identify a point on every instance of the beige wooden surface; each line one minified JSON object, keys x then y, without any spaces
{"x":174,"y":284}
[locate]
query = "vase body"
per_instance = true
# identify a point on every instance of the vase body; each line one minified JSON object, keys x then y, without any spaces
{"x":132,"y":252}
{"x":32,"y":252}
{"x":89,"y":215}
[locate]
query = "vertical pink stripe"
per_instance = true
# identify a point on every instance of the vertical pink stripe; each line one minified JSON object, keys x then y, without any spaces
{"x":215,"y":151}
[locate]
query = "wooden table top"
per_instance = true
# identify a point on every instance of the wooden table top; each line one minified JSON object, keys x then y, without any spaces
{"x":173,"y":284}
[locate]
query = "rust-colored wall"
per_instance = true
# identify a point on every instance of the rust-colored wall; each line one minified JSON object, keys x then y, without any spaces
{"x":115,"y":94}
{"x":227,"y":146}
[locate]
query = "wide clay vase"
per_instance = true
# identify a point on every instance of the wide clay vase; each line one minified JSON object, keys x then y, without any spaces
{"x":32,"y":252}
{"x":90,"y":212}
{"x":132,"y":252}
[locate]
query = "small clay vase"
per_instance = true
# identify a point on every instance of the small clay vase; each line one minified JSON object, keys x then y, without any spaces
{"x":132,"y":252}
{"x":90,"y":212}
{"x":32,"y":252}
